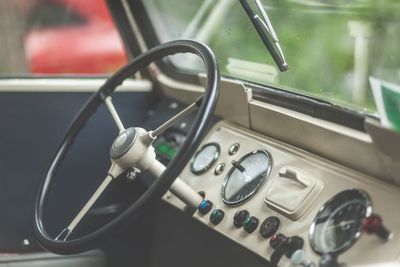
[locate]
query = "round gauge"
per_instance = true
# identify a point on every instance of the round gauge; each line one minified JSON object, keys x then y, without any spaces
{"x":338,"y":223}
{"x":205,"y":158}
{"x":246,"y":176}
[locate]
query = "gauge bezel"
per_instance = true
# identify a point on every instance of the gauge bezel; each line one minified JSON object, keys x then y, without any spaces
{"x":368,"y":207}
{"x":208,"y":166}
{"x":249,"y":195}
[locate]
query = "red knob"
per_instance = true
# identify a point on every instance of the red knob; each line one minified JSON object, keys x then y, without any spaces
{"x":374,"y":225}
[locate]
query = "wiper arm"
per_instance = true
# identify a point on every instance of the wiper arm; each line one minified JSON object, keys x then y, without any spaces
{"x":269,"y":27}
{"x":266,"y":32}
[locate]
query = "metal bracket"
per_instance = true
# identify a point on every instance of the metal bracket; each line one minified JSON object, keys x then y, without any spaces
{"x":233,"y":101}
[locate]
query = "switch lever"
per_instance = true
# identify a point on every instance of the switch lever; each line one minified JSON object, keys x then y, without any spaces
{"x":293,"y":175}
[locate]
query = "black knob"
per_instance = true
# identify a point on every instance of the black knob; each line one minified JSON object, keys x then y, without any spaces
{"x":250,"y":224}
{"x":205,"y":206}
{"x":329,"y":260}
{"x":294,"y":243}
{"x":269,"y":226}
{"x":284,"y":246}
{"x":277,"y":241}
{"x":239,"y":218}
{"x":217,"y":216}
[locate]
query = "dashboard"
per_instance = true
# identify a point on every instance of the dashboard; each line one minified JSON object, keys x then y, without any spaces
{"x":290,"y":206}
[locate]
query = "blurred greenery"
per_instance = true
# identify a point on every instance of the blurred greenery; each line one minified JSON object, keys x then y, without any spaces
{"x":314,"y":35}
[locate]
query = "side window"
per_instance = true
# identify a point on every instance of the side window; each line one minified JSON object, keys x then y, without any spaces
{"x":57,"y":37}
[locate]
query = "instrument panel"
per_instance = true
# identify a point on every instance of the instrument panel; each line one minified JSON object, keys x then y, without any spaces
{"x":289,"y":206}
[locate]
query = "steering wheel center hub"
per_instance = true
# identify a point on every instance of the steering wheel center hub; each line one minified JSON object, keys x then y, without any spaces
{"x":123,"y":143}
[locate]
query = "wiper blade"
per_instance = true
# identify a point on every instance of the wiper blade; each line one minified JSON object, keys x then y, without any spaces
{"x":266,"y":32}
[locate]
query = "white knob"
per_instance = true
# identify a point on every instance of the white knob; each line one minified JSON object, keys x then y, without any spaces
{"x":299,"y":257}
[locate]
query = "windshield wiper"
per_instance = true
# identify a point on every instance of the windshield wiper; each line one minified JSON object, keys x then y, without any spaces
{"x":266,"y":32}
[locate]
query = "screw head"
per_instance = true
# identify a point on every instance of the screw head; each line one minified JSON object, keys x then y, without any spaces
{"x":132,"y":174}
{"x":234,"y":149}
{"x":219,"y":168}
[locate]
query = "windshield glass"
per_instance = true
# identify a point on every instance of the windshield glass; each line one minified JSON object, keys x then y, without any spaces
{"x":332,"y":47}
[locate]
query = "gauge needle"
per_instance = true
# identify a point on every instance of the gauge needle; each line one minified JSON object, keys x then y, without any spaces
{"x":344,"y":224}
{"x":247,"y":178}
{"x":238,"y":166}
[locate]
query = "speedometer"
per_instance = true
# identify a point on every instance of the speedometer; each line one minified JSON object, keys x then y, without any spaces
{"x":338,"y":224}
{"x":246,"y":176}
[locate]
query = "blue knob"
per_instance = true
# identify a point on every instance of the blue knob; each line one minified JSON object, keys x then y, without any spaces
{"x":205,"y":206}
{"x":250,"y":224}
{"x":217,"y":216}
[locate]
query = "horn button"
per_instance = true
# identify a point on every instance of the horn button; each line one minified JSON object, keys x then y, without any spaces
{"x":123,"y":143}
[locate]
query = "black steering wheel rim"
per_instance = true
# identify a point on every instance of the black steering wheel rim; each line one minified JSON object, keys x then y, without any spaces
{"x":162,"y":184}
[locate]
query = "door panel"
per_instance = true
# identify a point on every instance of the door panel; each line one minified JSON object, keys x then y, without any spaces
{"x":88,"y":259}
{"x":32,"y":125}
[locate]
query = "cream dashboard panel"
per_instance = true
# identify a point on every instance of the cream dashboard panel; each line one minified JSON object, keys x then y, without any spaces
{"x":329,"y":178}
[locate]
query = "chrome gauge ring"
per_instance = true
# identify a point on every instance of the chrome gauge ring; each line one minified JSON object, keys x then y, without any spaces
{"x":205,"y":158}
{"x":246,"y":176}
{"x":338,"y":224}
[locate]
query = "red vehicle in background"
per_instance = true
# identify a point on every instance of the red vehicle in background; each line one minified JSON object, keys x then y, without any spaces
{"x":73,"y":36}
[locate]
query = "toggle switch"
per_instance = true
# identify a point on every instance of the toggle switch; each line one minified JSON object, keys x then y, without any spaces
{"x":292,"y":174}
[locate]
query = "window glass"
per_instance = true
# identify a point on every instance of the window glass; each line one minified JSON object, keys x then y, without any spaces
{"x":332,"y":46}
{"x":56,"y":37}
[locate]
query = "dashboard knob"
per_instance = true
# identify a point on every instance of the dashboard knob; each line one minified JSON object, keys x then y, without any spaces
{"x":217,"y":216}
{"x":239,"y":218}
{"x":205,"y":206}
{"x":250,"y":224}
{"x":277,"y":240}
{"x":299,"y":257}
{"x":269,"y":226}
{"x":294,"y":243}
{"x":284,"y":246}
{"x":374,"y":225}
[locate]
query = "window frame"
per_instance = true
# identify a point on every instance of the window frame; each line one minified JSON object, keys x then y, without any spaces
{"x":309,"y":105}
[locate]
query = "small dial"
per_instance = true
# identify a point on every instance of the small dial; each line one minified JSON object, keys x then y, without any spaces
{"x":205,"y":158}
{"x":246,"y":176}
{"x":338,"y":223}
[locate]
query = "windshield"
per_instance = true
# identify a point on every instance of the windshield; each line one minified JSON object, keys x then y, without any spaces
{"x":332,"y":47}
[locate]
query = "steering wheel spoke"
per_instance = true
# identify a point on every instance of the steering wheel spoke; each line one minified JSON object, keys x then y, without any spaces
{"x":114,"y":113}
{"x":165,"y":126}
{"x":113,"y":172}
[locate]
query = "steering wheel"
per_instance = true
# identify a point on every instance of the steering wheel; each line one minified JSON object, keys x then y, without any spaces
{"x":132,"y":148}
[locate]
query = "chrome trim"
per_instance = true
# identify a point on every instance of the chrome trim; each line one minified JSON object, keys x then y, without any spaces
{"x":69,"y":85}
{"x":134,"y":26}
{"x":210,"y":164}
{"x":364,"y":196}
